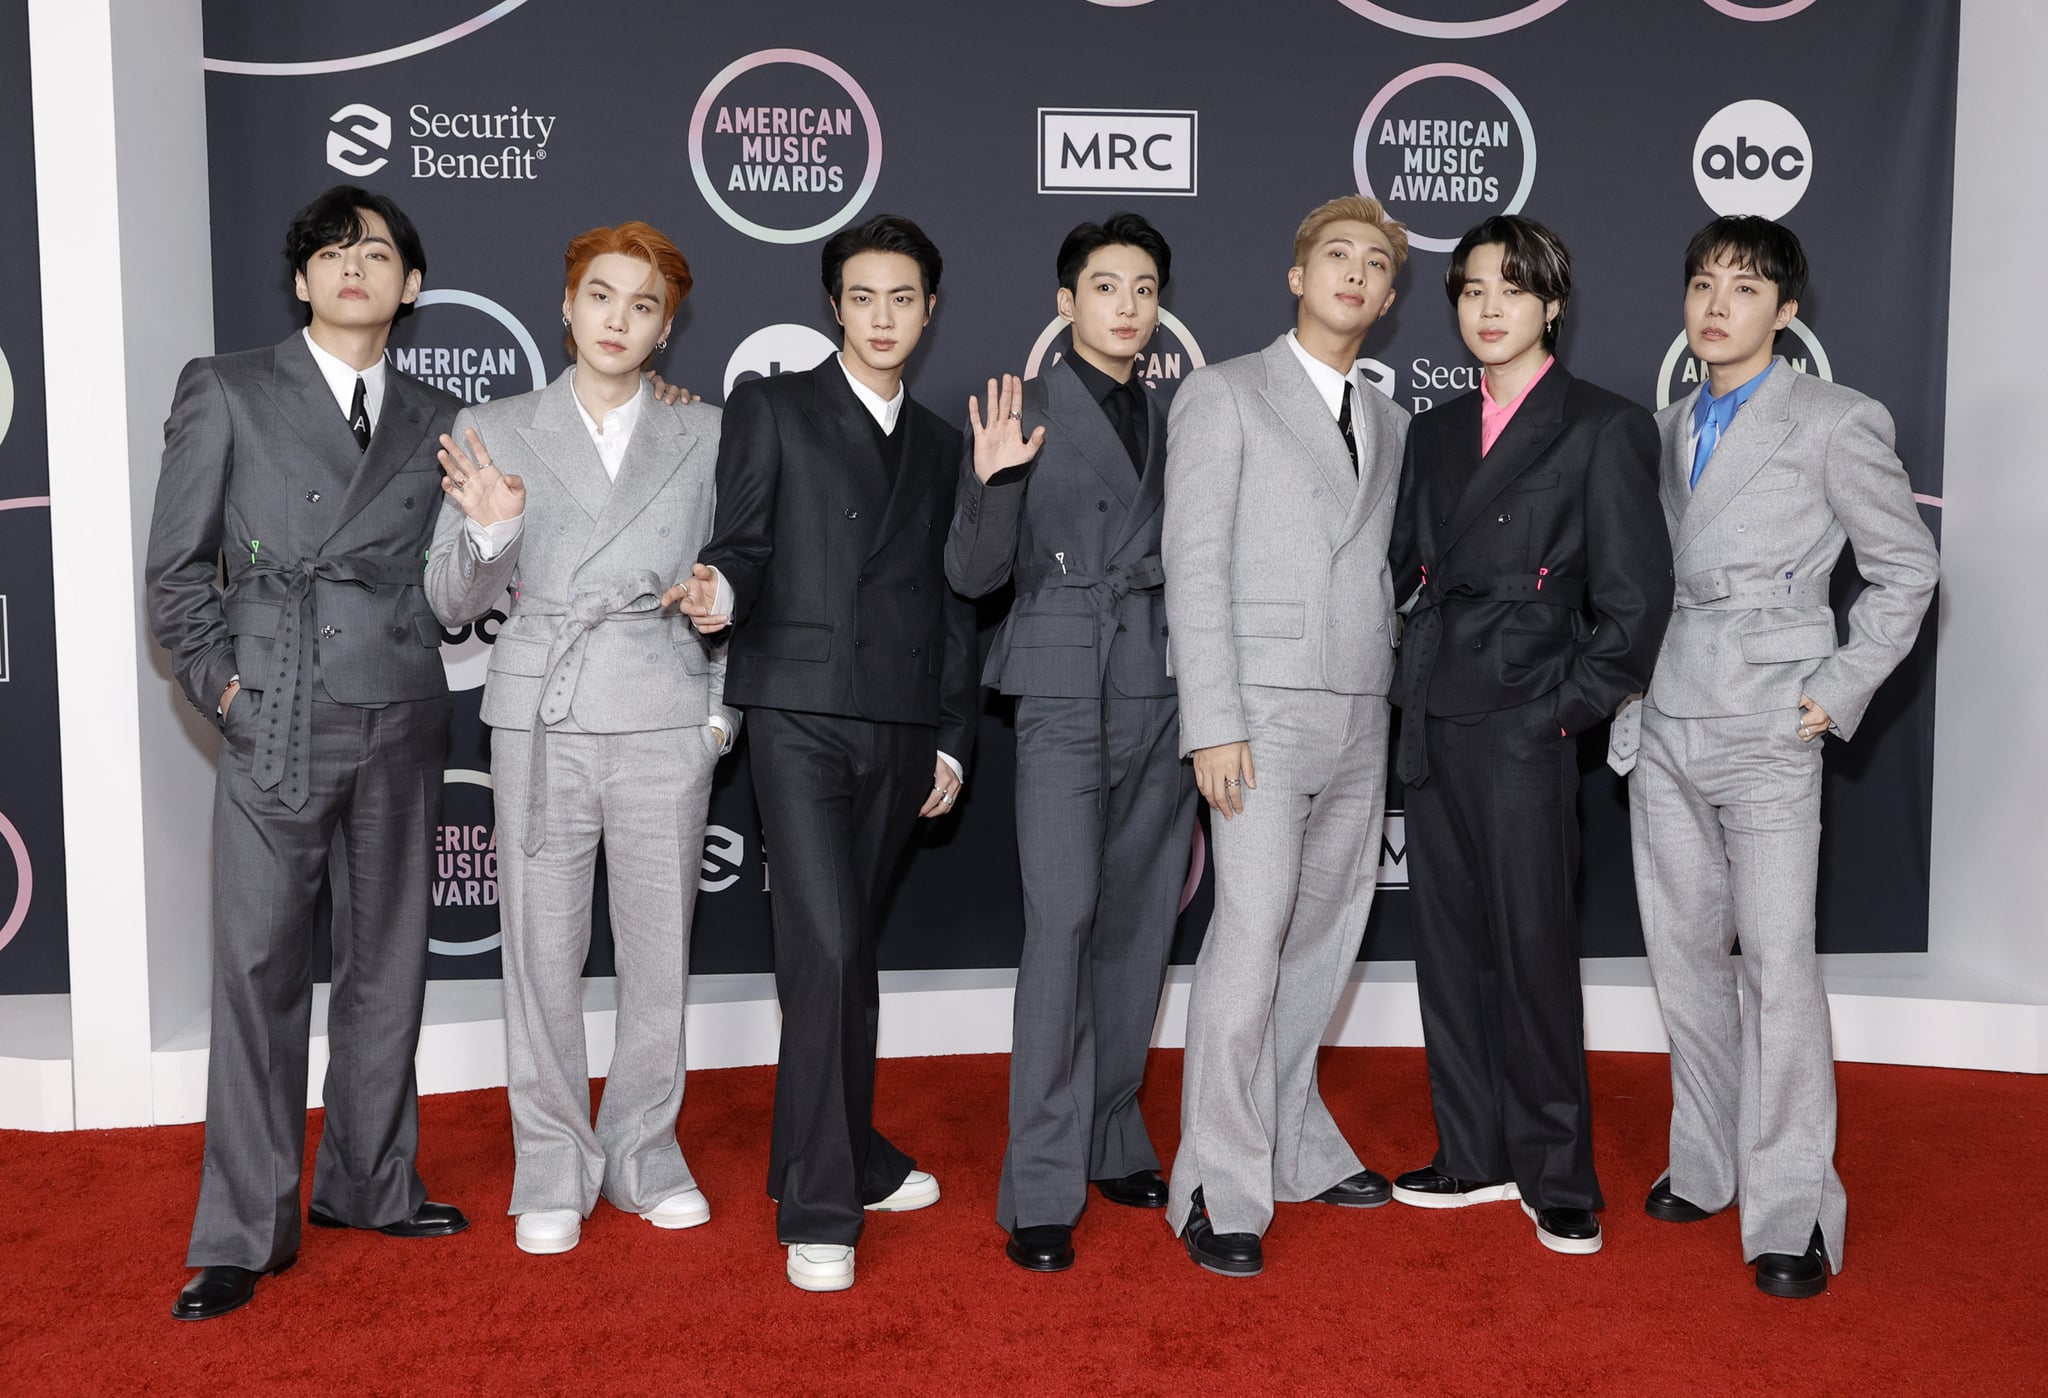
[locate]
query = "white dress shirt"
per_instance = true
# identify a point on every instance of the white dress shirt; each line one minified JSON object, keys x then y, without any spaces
{"x":341,"y":381}
{"x":1328,"y":381}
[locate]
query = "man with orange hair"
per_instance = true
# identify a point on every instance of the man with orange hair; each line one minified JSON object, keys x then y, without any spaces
{"x":587,"y":500}
{"x":1280,"y":486}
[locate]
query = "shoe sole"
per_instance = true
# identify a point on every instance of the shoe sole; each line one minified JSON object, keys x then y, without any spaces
{"x":1664,"y":1213}
{"x":893,"y":1205}
{"x":1219,"y":1268}
{"x":810,"y":1283}
{"x":548,"y":1247}
{"x":1058,"y":1264}
{"x":230,"y":1310}
{"x":1571,"y":1247}
{"x":675,"y":1221}
{"x":1357,"y":1203}
{"x":1109,"y":1198}
{"x":1792,"y":1291}
{"x":1493,"y":1194}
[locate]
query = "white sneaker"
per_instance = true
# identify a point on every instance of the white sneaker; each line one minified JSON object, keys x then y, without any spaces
{"x":918,"y":1191}
{"x":549,"y":1230}
{"x":684,"y":1210}
{"x":820,"y":1266}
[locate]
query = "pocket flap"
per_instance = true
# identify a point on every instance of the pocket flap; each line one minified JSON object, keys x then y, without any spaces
{"x":428,"y":628}
{"x":1798,"y":640}
{"x":252,"y":618}
{"x":1053,"y":630}
{"x":696,"y":660}
{"x":512,"y":656}
{"x":1266,"y":619}
{"x":1777,"y":478}
{"x":1534,"y":480}
{"x":1524,"y":647}
{"x":793,"y":640}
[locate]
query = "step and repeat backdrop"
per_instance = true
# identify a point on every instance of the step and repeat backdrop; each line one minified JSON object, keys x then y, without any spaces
{"x":32,"y":941}
{"x":752,"y":132}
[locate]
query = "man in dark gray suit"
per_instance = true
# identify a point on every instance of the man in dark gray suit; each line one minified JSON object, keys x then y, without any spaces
{"x":1062,"y":493}
{"x":309,"y":468}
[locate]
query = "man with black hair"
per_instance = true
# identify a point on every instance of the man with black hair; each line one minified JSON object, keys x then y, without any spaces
{"x":308,"y":471}
{"x":1528,"y":535}
{"x":1766,"y":473}
{"x":1062,"y":492}
{"x":855,"y":664}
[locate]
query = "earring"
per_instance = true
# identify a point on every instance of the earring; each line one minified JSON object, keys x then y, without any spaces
{"x":661,"y":344}
{"x":565,"y":322}
{"x":1547,"y":325}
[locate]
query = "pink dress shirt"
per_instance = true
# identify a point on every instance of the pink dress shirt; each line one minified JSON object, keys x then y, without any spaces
{"x":1494,"y":416}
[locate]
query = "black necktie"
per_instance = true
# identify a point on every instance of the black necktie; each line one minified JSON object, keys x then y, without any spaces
{"x":359,"y":416}
{"x":1126,"y":409}
{"x":1344,"y":426}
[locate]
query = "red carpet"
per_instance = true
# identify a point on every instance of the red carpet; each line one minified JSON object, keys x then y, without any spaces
{"x":1946,"y":1289}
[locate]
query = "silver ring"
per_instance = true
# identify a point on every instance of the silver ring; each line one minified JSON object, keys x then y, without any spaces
{"x":1233,"y":781}
{"x":461,"y":481}
{"x":947,"y":798}
{"x":1015,"y":415}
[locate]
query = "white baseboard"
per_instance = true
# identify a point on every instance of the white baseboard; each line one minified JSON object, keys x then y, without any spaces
{"x":1908,"y":1009}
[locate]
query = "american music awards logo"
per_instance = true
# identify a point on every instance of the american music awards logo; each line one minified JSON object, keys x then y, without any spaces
{"x":1170,"y":356}
{"x":1444,"y":146}
{"x":785,"y":146}
{"x":468,"y":345}
{"x":1682,"y":372}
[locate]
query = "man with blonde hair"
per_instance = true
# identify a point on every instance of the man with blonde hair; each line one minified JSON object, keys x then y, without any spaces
{"x":1281,"y":468}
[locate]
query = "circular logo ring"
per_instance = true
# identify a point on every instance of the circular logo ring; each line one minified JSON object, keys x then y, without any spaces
{"x":6,"y":395}
{"x":1362,"y":142}
{"x":1824,"y":370}
{"x":1167,"y":320}
{"x":363,"y":60}
{"x":451,"y":297}
{"x":25,"y":880}
{"x":470,"y":777}
{"x":1464,"y":28}
{"x":709,"y":189}
{"x":1759,"y":14}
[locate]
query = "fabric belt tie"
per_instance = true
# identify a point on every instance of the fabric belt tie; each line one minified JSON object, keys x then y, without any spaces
{"x":285,"y":724}
{"x":636,"y":597}
{"x":1709,"y":593}
{"x":1425,"y":632}
{"x":1105,"y":590}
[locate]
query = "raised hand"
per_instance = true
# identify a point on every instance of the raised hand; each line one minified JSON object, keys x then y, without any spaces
{"x":471,"y":481}
{"x":695,"y":596}
{"x":999,"y":444}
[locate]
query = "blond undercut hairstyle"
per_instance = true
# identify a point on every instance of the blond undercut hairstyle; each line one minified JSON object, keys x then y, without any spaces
{"x":1354,"y":208}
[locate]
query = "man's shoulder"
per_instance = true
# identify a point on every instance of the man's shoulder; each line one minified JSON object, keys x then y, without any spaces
{"x":1834,"y":399}
{"x":237,"y":366}
{"x":433,"y":397}
{"x":1589,"y":400}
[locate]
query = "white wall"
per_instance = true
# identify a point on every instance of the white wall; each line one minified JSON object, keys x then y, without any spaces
{"x":1990,"y":853}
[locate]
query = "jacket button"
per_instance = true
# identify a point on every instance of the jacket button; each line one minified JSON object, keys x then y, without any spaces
{"x":1505,"y":516}
{"x":1443,"y":520}
{"x":1162,"y":631}
{"x":398,"y":633}
{"x":330,"y":631}
{"x":1479,"y":645}
{"x":664,"y":531}
{"x":408,"y":502}
{"x":913,"y":587}
{"x":860,"y":645}
{"x":913,"y":652}
{"x":861,"y":580}
{"x":312,"y":497}
{"x":1102,"y":505}
{"x":853,"y":514}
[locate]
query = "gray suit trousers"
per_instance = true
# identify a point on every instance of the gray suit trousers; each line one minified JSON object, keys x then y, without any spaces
{"x":1725,"y":819}
{"x":374,"y":794}
{"x":1102,"y":888}
{"x":645,"y":795}
{"x":1295,"y":874}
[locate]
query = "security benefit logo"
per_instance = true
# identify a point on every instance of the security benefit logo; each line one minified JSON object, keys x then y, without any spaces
{"x":1752,"y":157}
{"x":1681,"y":373}
{"x":785,"y":146}
{"x":1170,"y":356}
{"x":508,"y":144}
{"x":1444,"y":146}
{"x":1083,"y":151}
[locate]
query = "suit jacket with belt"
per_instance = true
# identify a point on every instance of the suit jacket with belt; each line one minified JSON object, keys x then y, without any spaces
{"x":585,"y":642}
{"x":1276,"y":552}
{"x":1806,"y":465}
{"x":1078,"y":531}
{"x":1547,"y":572}
{"x":260,"y":470}
{"x":836,"y":559}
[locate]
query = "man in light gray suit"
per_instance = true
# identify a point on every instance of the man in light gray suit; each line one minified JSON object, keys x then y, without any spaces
{"x":306,"y":470}
{"x":588,"y":500}
{"x":1766,"y":472}
{"x":1281,"y":473}
{"x":1061,"y":492}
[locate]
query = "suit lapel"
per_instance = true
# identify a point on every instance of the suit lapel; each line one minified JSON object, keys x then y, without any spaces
{"x":1086,"y":425}
{"x":846,"y":423}
{"x":659,"y":444}
{"x":1752,"y":438}
{"x":1529,"y":433}
{"x":1379,"y":465}
{"x":401,"y":423}
{"x":561,"y":444}
{"x":1291,"y":395}
{"x":1151,"y":496}
{"x":307,"y":404}
{"x":1674,"y":466}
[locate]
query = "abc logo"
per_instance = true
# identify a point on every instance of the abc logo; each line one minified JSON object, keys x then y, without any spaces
{"x":1752,"y":157}
{"x":776,"y":349}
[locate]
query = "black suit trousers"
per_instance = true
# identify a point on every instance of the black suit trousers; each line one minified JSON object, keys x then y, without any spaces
{"x":839,"y":799}
{"x":1493,"y":851}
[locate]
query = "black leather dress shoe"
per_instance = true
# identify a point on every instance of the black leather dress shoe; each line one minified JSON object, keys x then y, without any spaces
{"x":1566,"y":1230}
{"x":1042,"y":1247}
{"x":429,"y":1220}
{"x":218,"y":1290}
{"x":1227,"y":1254}
{"x":1143,"y":1189}
{"x":1368,"y":1189}
{"x":1428,"y":1188}
{"x":1669,"y":1207}
{"x":1795,"y":1278}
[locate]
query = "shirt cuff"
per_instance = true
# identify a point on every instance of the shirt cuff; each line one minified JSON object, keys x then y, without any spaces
{"x":722,"y":600}
{"x":493,"y":539}
{"x":724,"y":734}
{"x":959,"y":772}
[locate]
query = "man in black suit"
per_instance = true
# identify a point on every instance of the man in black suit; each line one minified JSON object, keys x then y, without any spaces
{"x":855,"y":663}
{"x":308,"y":469}
{"x":1063,"y":494}
{"x":1529,"y":523}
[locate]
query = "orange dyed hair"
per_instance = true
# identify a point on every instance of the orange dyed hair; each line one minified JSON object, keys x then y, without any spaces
{"x":631,"y":239}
